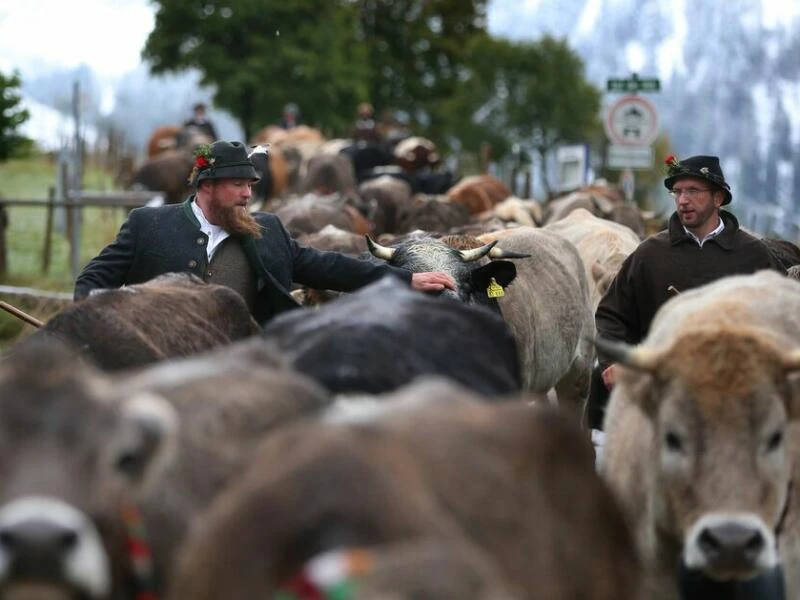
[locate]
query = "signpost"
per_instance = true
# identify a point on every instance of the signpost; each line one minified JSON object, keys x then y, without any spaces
{"x":631,"y":125}
{"x":633,"y":84}
{"x":630,"y":157}
{"x":632,"y":121}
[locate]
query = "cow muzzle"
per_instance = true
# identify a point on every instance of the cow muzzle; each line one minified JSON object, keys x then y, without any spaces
{"x":730,"y":546}
{"x":48,"y":549}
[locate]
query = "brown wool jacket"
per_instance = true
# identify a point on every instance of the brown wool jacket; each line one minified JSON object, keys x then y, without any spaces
{"x":670,"y":262}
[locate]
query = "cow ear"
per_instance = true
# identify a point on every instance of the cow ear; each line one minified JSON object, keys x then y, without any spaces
{"x":502,"y":271}
{"x":147,"y":440}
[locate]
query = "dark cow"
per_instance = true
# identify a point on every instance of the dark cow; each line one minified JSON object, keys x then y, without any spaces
{"x":167,"y":172}
{"x":102,"y":477}
{"x":385,"y":335}
{"x":514,"y":481}
{"x":173,"y":315}
{"x":477,"y":279}
{"x":366,"y":156}
{"x":169,"y":168}
{"x":787,"y":253}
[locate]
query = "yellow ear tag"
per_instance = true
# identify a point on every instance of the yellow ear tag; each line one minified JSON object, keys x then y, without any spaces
{"x":495,"y":290}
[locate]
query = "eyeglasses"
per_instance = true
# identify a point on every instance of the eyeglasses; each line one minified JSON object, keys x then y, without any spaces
{"x":691,"y":193}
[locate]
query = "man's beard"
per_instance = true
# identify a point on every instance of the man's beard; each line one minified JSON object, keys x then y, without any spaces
{"x":235,"y":220}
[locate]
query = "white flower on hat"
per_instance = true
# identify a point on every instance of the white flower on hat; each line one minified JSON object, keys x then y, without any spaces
{"x":704,"y":170}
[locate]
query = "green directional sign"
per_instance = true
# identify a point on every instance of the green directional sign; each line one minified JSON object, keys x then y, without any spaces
{"x":633,"y":84}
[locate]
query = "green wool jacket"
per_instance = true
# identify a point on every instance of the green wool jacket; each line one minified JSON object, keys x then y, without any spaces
{"x":157,"y":240}
{"x":670,"y":262}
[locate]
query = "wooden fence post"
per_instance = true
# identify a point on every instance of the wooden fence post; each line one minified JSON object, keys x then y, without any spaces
{"x":48,"y":229}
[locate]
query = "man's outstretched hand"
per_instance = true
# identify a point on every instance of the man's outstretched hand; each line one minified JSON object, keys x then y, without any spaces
{"x":434,"y":281}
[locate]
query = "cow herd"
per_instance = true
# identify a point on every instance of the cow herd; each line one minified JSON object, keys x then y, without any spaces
{"x":389,"y":444}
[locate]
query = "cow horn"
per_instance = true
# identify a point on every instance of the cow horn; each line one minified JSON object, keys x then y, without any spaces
{"x":791,"y":361}
{"x":638,"y":358}
{"x":476,"y":253}
{"x":500,"y":253}
{"x":378,"y":251}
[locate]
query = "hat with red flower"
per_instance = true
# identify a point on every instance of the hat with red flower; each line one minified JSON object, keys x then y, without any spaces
{"x":222,"y":160}
{"x":702,"y":167}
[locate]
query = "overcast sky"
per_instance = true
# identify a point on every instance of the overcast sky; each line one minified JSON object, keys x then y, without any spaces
{"x":108,"y":35}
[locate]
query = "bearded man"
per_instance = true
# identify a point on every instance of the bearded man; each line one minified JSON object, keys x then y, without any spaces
{"x":212,"y":235}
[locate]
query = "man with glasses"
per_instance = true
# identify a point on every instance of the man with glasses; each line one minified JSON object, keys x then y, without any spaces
{"x":702,"y":243}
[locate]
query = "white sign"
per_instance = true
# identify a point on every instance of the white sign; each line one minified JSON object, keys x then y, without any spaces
{"x":632,"y":121}
{"x":630,"y":157}
{"x":573,"y":164}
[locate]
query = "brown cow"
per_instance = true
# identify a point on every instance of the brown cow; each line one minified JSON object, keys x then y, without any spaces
{"x":479,"y":193}
{"x":173,"y":315}
{"x":425,"y":568}
{"x":311,"y":213}
{"x":388,"y":197}
{"x":517,"y":482}
{"x":328,"y":174}
{"x":701,"y":433}
{"x":102,"y":477}
{"x":162,"y":139}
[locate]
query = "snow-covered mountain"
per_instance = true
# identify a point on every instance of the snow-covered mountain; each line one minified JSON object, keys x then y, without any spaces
{"x":729,"y":71}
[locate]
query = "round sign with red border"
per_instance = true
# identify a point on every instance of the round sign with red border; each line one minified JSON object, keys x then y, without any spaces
{"x":632,"y":121}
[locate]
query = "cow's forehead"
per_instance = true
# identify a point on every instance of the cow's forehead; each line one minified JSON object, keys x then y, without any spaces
{"x":727,"y":375}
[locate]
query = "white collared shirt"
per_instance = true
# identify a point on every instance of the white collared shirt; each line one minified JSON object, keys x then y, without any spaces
{"x":216,"y":234}
{"x":717,"y":230}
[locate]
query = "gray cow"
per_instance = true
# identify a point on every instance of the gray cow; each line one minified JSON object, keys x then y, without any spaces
{"x":92,"y":465}
{"x":547,"y":307}
{"x":702,"y":442}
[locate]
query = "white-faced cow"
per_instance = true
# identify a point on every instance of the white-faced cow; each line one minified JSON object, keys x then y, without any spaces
{"x":702,"y":441}
{"x":101,"y":476}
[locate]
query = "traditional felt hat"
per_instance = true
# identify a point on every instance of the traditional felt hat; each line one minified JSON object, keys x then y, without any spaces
{"x":223,"y":160}
{"x":702,"y":167}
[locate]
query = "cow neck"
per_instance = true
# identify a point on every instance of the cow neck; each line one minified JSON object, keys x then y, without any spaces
{"x":140,"y":555}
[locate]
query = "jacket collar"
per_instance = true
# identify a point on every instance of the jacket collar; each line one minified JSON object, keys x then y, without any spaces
{"x":187,"y":210}
{"x":725,"y":240}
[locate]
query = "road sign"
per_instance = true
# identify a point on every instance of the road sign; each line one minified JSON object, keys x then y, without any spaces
{"x":633,"y":84}
{"x":632,"y":121}
{"x":629,"y":157}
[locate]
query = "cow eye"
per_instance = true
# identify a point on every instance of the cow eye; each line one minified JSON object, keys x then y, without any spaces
{"x":775,"y":440}
{"x":673,"y":442}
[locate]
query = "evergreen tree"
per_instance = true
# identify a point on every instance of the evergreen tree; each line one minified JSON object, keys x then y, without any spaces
{"x":12,"y":116}
{"x":263,"y":54}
